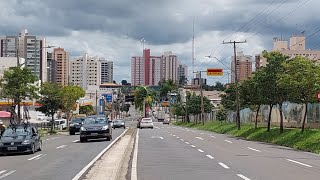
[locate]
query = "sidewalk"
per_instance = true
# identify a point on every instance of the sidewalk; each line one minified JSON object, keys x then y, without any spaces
{"x":113,"y":165}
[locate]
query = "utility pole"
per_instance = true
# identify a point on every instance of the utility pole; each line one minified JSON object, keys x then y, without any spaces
{"x":236,"y":79}
{"x":97,"y":102}
{"x":201,"y":95}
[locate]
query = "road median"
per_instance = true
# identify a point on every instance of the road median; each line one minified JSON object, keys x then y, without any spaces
{"x":114,"y":163}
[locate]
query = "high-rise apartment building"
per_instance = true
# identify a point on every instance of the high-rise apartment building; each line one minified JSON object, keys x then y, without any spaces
{"x":52,"y":68}
{"x":31,"y":48}
{"x":150,"y":70}
{"x":243,"y":65}
{"x":106,"y":71}
{"x":295,"y":47}
{"x":61,"y":58}
{"x":85,"y":71}
{"x":182,"y":72}
{"x":137,"y":71}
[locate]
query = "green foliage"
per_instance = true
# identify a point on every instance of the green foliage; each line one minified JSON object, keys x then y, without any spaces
{"x":18,"y":84}
{"x":308,"y":141}
{"x":125,"y":108}
{"x":167,"y":86}
{"x":179,"y":110}
{"x":218,"y":87}
{"x":88,"y":110}
{"x":70,"y":95}
{"x":194,"y":105}
{"x":222,"y":114}
{"x":228,"y":100}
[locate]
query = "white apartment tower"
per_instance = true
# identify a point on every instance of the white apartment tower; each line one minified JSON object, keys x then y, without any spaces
{"x":31,"y":48}
{"x":169,"y":66}
{"x":106,"y":69}
{"x":85,"y":71}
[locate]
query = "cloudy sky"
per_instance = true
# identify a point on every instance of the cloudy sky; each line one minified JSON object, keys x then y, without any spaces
{"x":113,"y":28}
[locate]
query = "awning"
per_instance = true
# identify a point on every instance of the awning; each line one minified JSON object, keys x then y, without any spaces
{"x":5,"y":114}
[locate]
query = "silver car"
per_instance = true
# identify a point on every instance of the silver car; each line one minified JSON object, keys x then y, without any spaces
{"x":146,"y":123}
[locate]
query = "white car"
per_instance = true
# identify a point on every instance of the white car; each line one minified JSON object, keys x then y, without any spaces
{"x":146,"y":123}
{"x":61,"y":123}
{"x":41,"y":117}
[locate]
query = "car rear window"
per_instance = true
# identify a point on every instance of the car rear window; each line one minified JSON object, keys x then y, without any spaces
{"x":146,"y":120}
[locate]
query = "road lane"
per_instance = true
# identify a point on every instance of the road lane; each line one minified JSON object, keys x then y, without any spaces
{"x":171,"y":158}
{"x":255,"y":164}
{"x":54,"y":163}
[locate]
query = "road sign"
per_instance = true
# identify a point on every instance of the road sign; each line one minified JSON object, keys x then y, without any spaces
{"x":108,"y":97}
{"x":214,"y":72}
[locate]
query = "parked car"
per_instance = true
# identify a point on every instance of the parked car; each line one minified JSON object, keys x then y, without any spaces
{"x":20,"y":139}
{"x":146,"y":123}
{"x":95,"y":128}
{"x":60,"y":123}
{"x":75,"y":125}
{"x":41,"y":117}
{"x":166,"y":121}
{"x":118,"y":123}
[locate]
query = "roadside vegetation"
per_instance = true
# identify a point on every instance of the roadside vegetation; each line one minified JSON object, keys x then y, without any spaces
{"x":307,"y":141}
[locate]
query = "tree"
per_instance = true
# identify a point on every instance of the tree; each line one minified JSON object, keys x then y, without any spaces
{"x":219,"y":86}
{"x":222,"y":114}
{"x":167,"y":86}
{"x":50,"y":100}
{"x":124,"y":82}
{"x":194,"y":105}
{"x":18,"y":84}
{"x":269,"y":77}
{"x":70,"y":95}
{"x":88,"y":110}
{"x":228,"y":100}
{"x":250,"y":94}
{"x":125,"y":108}
{"x":300,"y":77}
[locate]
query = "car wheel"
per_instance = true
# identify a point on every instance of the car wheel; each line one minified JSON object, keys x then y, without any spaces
{"x":83,"y":139}
{"x":124,"y":127}
{"x":109,"y":138}
{"x":33,"y":149}
{"x":40,"y":146}
{"x":72,"y":132}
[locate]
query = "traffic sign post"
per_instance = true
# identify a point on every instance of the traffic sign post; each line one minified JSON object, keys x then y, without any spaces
{"x":214,"y":72}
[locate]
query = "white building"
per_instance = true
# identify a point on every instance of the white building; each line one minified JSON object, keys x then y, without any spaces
{"x":106,"y":71}
{"x":6,"y":63}
{"x":31,"y":48}
{"x":85,"y":71}
{"x":169,"y":66}
{"x":155,"y":73}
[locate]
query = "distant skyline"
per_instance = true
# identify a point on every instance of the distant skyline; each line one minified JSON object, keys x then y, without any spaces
{"x":114,"y":29}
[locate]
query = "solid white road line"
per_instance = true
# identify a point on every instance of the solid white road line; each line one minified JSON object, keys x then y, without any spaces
{"x":199,"y":138}
{"x":200,"y":150}
{"x":213,"y":136}
{"x":254,"y":149}
{"x":307,"y":165}
{"x":187,"y":143}
{"x":223,"y":165}
{"x":84,"y":170}
{"x":7,"y":174}
{"x":209,"y":156}
{"x":193,"y":146}
{"x":243,"y":177}
{"x":62,"y":146}
{"x":34,"y":157}
{"x":76,"y":141}
{"x":228,"y":141}
{"x":135,"y":159}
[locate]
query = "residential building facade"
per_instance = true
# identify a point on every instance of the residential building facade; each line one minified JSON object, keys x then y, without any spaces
{"x":85,"y":71}
{"x":295,"y":47}
{"x":52,"y":67}
{"x":31,"y":48}
{"x":182,"y":72}
{"x":106,"y":71}
{"x":243,"y":65}
{"x":61,"y":58}
{"x":137,"y":71}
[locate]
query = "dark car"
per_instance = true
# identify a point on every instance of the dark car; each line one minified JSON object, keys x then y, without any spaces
{"x":95,"y":128}
{"x":119,"y":123}
{"x":166,"y":121}
{"x":75,"y":125}
{"x":20,"y":139}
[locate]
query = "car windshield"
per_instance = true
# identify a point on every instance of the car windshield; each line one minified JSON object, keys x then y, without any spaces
{"x":98,"y":120}
{"x":118,"y":121}
{"x":20,"y":131}
{"x":78,"y":120}
{"x":146,"y":120}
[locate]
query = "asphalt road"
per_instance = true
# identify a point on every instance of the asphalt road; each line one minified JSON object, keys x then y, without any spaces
{"x":62,"y":157}
{"x":170,"y":152}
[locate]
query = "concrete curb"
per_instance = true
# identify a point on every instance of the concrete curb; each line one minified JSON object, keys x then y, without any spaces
{"x":135,"y":158}
{"x":88,"y":166}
